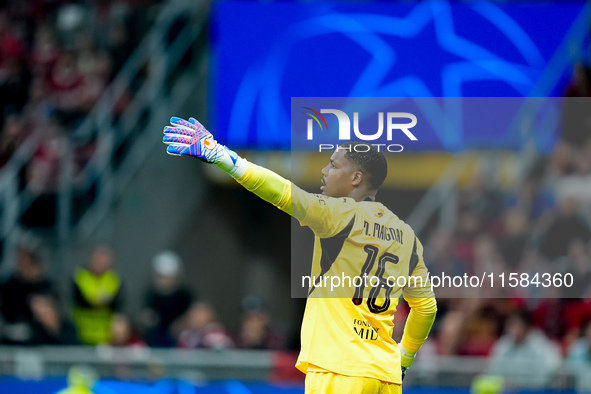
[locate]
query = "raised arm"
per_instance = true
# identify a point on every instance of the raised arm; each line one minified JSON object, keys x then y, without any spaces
{"x":190,"y":138}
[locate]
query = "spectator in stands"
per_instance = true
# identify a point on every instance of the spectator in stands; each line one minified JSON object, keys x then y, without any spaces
{"x":256,"y":331}
{"x":577,"y":184}
{"x":200,"y":329}
{"x":123,"y":332}
{"x":125,"y":335}
{"x":65,"y":82}
{"x":95,"y":67}
{"x":468,"y":329}
{"x":550,"y":313}
{"x":531,"y":196}
{"x":579,"y":353}
{"x":565,"y":227}
{"x":487,"y":257}
{"x":43,"y":170}
{"x":468,"y":228}
{"x":480,"y":199}
{"x":478,"y":332}
{"x":119,"y":45}
{"x":576,"y":117}
{"x":17,"y":293}
{"x":578,"y":313}
{"x":578,"y":360}
{"x":449,"y":333}
{"x":44,"y":52}
{"x":578,"y":263}
{"x":14,"y":77}
{"x":70,"y":18}
{"x":580,"y":83}
{"x":525,"y":357}
{"x":38,"y":111}
{"x":12,"y":134}
{"x":11,"y":45}
{"x":14,"y":85}
{"x":166,"y":300}
{"x":515,"y":237}
{"x":97,"y":296}
{"x":441,"y":253}
{"x":50,"y":327}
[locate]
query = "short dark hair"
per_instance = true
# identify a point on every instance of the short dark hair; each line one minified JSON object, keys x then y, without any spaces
{"x":369,"y":160}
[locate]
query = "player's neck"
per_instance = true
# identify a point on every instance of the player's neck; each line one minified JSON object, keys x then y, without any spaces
{"x":363,"y":195}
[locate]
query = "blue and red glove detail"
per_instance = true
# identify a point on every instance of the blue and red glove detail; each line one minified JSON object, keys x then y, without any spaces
{"x":189,"y":138}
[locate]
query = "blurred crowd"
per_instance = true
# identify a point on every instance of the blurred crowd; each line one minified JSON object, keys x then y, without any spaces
{"x":542,"y":224}
{"x":33,"y":313}
{"x":56,"y":58}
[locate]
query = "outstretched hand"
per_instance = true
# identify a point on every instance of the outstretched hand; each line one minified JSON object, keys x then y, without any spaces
{"x":189,"y":138}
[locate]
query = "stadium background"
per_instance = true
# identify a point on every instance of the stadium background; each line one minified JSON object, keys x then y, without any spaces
{"x":87,"y":87}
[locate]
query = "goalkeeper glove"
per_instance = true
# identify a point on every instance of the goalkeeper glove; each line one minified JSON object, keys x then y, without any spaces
{"x":190,"y":138}
{"x":406,"y":359}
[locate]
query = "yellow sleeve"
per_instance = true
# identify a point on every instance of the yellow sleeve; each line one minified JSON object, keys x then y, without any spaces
{"x":326,"y":216}
{"x":419,"y":322}
{"x":421,"y":299}
{"x":269,"y":186}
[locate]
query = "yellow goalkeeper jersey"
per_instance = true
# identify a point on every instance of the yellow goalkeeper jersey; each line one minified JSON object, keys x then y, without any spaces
{"x":347,"y":329}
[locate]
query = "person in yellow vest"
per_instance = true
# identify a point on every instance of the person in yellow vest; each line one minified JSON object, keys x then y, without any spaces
{"x":97,"y":296}
{"x":81,"y":380}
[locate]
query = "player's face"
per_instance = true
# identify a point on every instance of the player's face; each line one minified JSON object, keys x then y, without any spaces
{"x":337,"y":176}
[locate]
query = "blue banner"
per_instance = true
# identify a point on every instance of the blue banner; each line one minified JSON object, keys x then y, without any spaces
{"x":263,"y":54}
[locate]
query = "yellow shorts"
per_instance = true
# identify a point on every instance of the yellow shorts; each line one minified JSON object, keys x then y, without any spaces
{"x":332,"y":383}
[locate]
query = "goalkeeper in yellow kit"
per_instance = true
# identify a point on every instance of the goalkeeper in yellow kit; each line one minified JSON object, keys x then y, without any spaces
{"x":347,"y":344}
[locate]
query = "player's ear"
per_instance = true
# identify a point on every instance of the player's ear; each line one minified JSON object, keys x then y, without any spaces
{"x":357,"y":178}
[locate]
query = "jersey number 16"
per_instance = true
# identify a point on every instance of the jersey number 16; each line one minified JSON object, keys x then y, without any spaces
{"x":372,"y":256}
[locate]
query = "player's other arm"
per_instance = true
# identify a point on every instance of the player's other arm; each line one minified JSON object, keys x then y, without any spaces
{"x":421,"y":299}
{"x":190,"y":138}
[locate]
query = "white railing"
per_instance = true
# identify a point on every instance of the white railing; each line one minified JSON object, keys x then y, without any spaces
{"x":147,"y":363}
{"x":136,"y":362}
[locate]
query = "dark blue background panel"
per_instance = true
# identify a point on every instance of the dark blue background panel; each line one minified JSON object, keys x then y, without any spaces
{"x":263,"y":54}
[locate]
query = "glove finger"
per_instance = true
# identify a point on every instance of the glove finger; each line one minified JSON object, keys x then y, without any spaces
{"x":185,"y":130}
{"x":176,"y":150}
{"x":172,"y":134}
{"x":172,"y":130}
{"x":177,"y":139}
{"x":198,"y":126}
{"x":179,"y":131}
{"x":179,"y":122}
{"x":175,"y":120}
